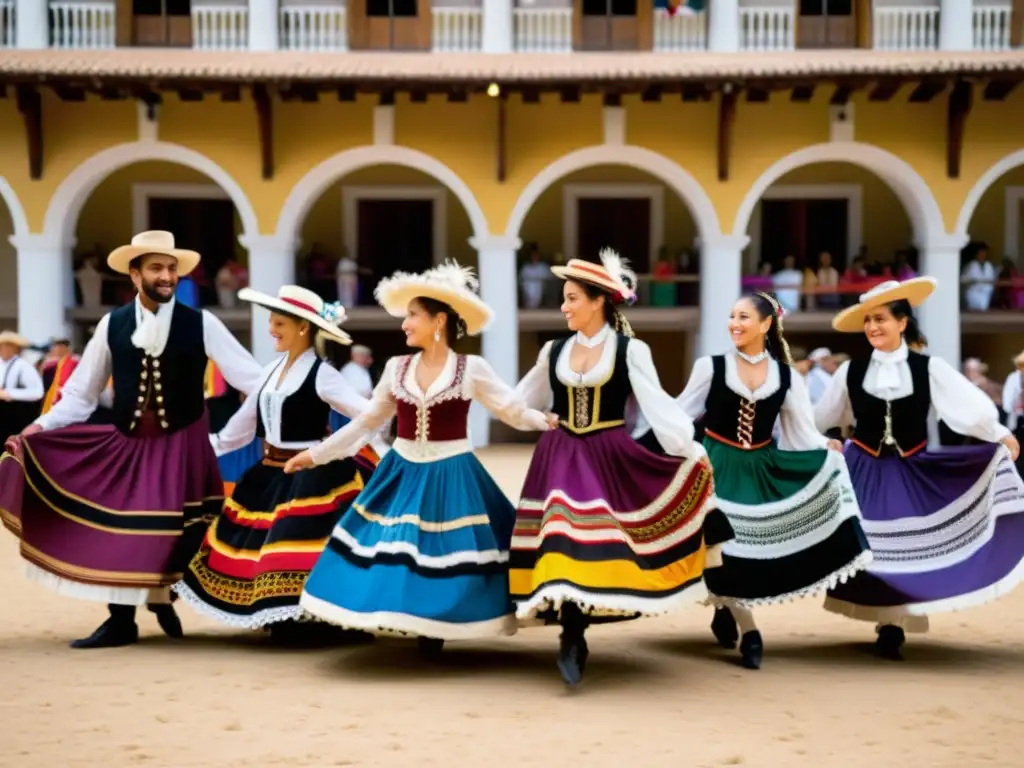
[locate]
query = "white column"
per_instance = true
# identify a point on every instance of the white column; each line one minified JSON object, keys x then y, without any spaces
{"x":500,"y":342}
{"x":32,"y":24}
{"x":497,"y":33}
{"x":263,"y":25}
{"x":271,"y":265}
{"x":724,"y":26}
{"x":940,"y":315}
{"x":956,"y":25}
{"x":721,"y":272}
{"x":43,"y":264}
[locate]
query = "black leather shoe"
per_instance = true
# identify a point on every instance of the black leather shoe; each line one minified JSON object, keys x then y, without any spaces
{"x":572,"y":659}
{"x":723,"y":626}
{"x":430,"y":647}
{"x":890,"y":642}
{"x":168,"y":620}
{"x":752,"y":649}
{"x":112,"y":633}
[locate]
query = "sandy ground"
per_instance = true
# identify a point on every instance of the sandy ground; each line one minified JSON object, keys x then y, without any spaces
{"x":657,"y":693}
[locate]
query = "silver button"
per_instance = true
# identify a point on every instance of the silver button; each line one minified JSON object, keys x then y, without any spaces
{"x":159,"y":398}
{"x":158,"y":387}
{"x":138,"y":414}
{"x":156,"y":363}
{"x":142,"y":398}
{"x":164,"y":424}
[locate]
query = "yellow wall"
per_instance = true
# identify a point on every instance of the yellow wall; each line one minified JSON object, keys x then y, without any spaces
{"x":987,"y":223}
{"x":8,"y":271}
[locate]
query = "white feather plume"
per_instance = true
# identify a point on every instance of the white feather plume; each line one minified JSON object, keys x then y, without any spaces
{"x":450,"y":275}
{"x":618,"y":268}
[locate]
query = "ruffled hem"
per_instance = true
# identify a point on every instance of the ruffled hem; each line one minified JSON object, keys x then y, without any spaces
{"x":257,"y":620}
{"x":844,"y":574}
{"x":137,"y":596}
{"x":388,"y":622}
{"x":551,"y":596}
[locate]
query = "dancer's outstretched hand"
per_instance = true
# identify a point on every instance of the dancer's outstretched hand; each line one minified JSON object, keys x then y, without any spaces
{"x":835,"y":445}
{"x":1011,"y":442}
{"x":298,"y":462}
{"x":552,"y":420}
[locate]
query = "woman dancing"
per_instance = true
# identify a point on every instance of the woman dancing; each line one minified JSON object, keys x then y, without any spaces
{"x":424,"y":548}
{"x":258,"y":553}
{"x":790,"y":503}
{"x":606,"y":529}
{"x":946,"y":528}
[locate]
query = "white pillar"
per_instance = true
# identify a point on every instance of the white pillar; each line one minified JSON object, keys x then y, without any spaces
{"x":32,"y":24}
{"x":271,"y":265}
{"x":724,"y":26}
{"x":263,"y":25}
{"x":497,"y":33}
{"x":721,"y":272}
{"x":500,"y":342}
{"x":956,"y":25}
{"x":939,"y":316}
{"x":44,"y":264}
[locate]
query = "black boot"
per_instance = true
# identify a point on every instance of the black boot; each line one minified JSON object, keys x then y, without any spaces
{"x":890,"y":642}
{"x":117,"y":631}
{"x":723,"y":626}
{"x":430,"y":647}
{"x":752,"y":649}
{"x":168,"y":619}
{"x":572,"y":650}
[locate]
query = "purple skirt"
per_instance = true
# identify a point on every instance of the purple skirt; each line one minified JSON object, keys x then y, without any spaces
{"x":96,"y":507}
{"x":946,"y":530}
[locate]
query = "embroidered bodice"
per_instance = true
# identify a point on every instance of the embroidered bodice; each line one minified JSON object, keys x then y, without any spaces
{"x":596,"y":406}
{"x":438,"y":416}
{"x":733,"y":418}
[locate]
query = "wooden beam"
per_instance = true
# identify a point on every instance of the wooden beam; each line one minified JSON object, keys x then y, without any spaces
{"x":885,"y":90}
{"x":651,"y":94}
{"x":108,"y":93}
{"x":418,"y":97}
{"x":571,"y":94}
{"x":842,"y":95}
{"x":960,"y":100}
{"x":757,"y":95}
{"x":802,"y":93}
{"x":387,"y":98}
{"x":31,"y":107}
{"x":726,"y":120}
{"x":69,"y":93}
{"x":531,"y":96}
{"x":458,"y":96}
{"x":694,"y":92}
{"x":231,"y":93}
{"x":346,"y":93}
{"x":927,"y":91}
{"x":308,"y":95}
{"x":1016,"y":23}
{"x":998,"y":90}
{"x":265,"y":128}
{"x":190,"y":94}
{"x":501,"y":143}
{"x":613,"y":99}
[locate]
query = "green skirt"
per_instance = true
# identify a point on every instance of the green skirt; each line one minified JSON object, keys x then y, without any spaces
{"x":796,"y":522}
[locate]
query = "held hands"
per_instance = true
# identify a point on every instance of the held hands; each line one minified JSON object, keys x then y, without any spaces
{"x":299,"y":462}
{"x":5,"y":396}
{"x":835,"y":445}
{"x":552,"y":420}
{"x":1011,"y":442}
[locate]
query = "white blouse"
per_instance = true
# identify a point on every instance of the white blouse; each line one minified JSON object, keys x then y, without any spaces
{"x":672,"y":427}
{"x":21,"y":381}
{"x":331,"y":387}
{"x":956,"y":401}
{"x":796,"y":419}
{"x":479,"y":382}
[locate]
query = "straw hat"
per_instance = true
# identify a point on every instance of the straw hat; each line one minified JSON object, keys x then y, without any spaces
{"x":915,"y":290}
{"x":819,"y":354}
{"x":611,"y":275}
{"x":305,"y":305}
{"x":450,"y":283}
{"x":10,"y":337}
{"x":154,"y":241}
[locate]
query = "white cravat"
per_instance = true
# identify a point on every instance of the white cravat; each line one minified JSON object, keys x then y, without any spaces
{"x":593,"y":341}
{"x":152,"y":330}
{"x":888,"y":366}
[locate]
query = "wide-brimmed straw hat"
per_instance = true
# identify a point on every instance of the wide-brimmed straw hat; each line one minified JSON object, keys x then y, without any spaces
{"x":612,"y":275}
{"x":153,"y":241}
{"x":450,"y":283}
{"x":915,"y":290}
{"x":305,"y":305}
{"x":10,"y":337}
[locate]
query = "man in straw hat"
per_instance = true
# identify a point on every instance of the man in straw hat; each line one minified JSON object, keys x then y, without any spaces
{"x":114,"y":512}
{"x":21,"y":388}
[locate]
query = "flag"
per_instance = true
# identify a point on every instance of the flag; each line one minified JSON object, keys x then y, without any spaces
{"x":686,"y":7}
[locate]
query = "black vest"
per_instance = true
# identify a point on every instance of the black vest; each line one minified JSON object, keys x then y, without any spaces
{"x":736,"y":419}
{"x":909,"y":414}
{"x":304,"y":416}
{"x":592,"y":409}
{"x":171,"y":385}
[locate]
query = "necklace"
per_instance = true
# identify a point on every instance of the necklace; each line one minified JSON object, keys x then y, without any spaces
{"x":752,"y":359}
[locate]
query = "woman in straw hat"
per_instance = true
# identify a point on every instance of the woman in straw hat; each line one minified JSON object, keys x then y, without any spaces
{"x":21,"y":387}
{"x":946,"y":528}
{"x":424,"y":548}
{"x":254,"y":562}
{"x":790,"y":501}
{"x":606,"y":529}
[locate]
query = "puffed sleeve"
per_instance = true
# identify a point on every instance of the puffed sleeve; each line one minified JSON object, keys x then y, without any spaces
{"x":797,"y":431}
{"x":962,"y":405}
{"x":833,"y":410}
{"x":351,"y":438}
{"x":535,"y":386}
{"x":503,"y":401}
{"x":695,"y":394}
{"x":671,"y":425}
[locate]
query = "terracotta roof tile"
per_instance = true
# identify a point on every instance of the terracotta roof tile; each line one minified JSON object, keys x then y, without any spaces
{"x":382,"y":67}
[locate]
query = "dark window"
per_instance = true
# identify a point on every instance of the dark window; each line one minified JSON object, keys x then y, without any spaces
{"x":826,"y":7}
{"x":391,"y":8}
{"x":609,"y":7}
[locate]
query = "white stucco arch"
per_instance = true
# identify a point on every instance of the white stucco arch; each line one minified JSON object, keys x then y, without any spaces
{"x":912,"y":191}
{"x":65,"y":206}
{"x":982,"y":185}
{"x":672,"y":174}
{"x":315,"y":182}
{"x":19,"y":220}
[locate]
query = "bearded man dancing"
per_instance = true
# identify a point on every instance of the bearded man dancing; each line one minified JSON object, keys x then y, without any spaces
{"x":114,"y":513}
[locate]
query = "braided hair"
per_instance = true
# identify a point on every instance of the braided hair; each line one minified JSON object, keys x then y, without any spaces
{"x":612,"y":315}
{"x":775,"y":343}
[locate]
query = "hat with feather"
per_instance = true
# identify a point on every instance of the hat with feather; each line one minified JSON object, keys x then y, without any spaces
{"x":449,"y":283}
{"x":612,"y":275}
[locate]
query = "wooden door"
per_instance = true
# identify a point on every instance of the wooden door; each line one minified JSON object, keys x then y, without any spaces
{"x":827,"y":24}
{"x":389,"y":25}
{"x":804,"y":228}
{"x":206,"y":226}
{"x":160,"y":23}
{"x":622,"y":224}
{"x":395,"y":235}
{"x":613,"y":25}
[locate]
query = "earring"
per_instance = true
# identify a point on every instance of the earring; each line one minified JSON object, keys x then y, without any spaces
{"x":302,"y":332}
{"x":437,"y":335}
